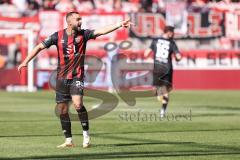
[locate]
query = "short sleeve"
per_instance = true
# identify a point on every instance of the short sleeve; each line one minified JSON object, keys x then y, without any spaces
{"x":88,"y":34}
{"x":51,"y":40}
{"x":175,"y":49}
{"x":153,"y":45}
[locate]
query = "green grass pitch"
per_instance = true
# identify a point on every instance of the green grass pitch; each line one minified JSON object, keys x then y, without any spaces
{"x":210,"y":129}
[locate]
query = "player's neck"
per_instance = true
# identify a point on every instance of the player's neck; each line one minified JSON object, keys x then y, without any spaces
{"x":70,"y":31}
{"x":165,"y":36}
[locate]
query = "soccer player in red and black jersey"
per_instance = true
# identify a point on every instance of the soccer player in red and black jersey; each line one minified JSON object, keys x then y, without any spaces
{"x":71,"y":46}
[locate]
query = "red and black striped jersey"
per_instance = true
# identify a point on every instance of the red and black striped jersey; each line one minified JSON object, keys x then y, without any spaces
{"x":71,"y":52}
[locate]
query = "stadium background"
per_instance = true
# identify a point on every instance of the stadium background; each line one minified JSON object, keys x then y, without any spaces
{"x":203,"y":114}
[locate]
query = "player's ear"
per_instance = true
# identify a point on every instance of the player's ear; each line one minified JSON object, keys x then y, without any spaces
{"x":68,"y":20}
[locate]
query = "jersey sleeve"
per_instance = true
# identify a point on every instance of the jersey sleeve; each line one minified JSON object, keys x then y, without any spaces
{"x":175,"y":49}
{"x":89,"y":34}
{"x":51,"y":40}
{"x":153,"y":46}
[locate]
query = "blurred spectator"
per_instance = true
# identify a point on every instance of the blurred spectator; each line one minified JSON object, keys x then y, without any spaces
{"x":7,"y":9}
{"x":104,"y":5}
{"x":227,"y":1}
{"x":161,"y":5}
{"x":21,"y":5}
{"x":199,"y":3}
{"x":49,"y":4}
{"x":32,"y":8}
{"x":130,"y":5}
{"x":117,"y":5}
{"x":225,"y":5}
{"x":65,"y":6}
{"x":84,"y":5}
{"x":146,"y":5}
{"x":199,"y":6}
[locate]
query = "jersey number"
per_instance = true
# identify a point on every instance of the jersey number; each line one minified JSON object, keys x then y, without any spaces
{"x":79,"y":84}
{"x":162,"y":50}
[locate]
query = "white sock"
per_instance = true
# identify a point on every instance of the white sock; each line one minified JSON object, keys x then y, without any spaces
{"x":68,"y":140}
{"x":85,"y":133}
{"x":162,"y":113}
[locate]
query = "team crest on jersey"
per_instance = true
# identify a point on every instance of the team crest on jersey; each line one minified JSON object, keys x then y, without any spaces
{"x":77,"y":39}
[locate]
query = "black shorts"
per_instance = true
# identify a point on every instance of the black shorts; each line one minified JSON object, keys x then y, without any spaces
{"x":65,"y":88}
{"x":162,"y":75}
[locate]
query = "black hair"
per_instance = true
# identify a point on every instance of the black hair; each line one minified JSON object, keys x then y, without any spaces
{"x":70,"y":14}
{"x":168,"y":29}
